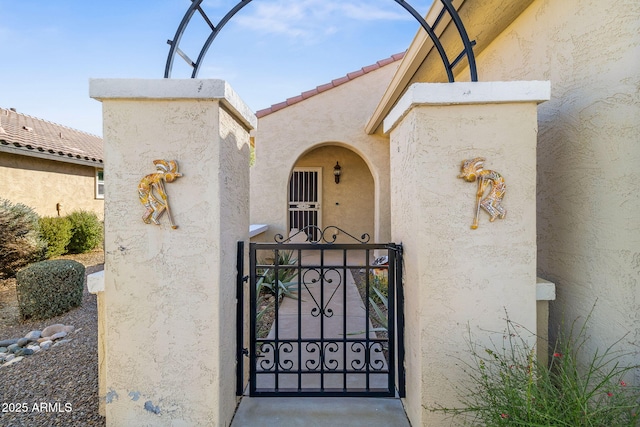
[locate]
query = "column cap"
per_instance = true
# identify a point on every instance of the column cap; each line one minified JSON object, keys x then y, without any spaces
{"x":95,"y":282}
{"x":461,"y":93}
{"x":202,"y":89}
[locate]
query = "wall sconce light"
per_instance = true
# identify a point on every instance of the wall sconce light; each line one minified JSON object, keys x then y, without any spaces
{"x":58,"y":208}
{"x":336,"y":172}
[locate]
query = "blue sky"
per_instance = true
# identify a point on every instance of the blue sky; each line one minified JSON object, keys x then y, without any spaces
{"x":270,"y":50}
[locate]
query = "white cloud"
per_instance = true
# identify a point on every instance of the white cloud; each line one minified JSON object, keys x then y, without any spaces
{"x":313,"y":19}
{"x":213,"y":4}
{"x":364,"y":11}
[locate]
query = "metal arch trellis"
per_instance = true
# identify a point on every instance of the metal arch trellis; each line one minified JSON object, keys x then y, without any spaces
{"x":215,"y":29}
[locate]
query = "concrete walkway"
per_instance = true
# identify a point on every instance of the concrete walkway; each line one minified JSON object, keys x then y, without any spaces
{"x":323,"y":411}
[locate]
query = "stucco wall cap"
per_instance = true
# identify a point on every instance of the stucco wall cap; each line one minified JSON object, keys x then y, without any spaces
{"x":164,"y":89}
{"x":467,"y":93}
{"x":95,"y":282}
{"x":255,"y":229}
{"x":545,"y":290}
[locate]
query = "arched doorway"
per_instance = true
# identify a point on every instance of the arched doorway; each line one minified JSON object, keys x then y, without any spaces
{"x":316,"y":197}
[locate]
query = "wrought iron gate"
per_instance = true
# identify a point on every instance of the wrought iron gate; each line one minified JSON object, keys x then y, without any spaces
{"x":326,"y":318}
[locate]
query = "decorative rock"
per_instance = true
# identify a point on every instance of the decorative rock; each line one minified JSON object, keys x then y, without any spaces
{"x":24,"y":352}
{"x":53,"y":329}
{"x":33,"y":335}
{"x":13,"y":350}
{"x":35,"y":348}
{"x":58,"y":335}
{"x":12,"y":361}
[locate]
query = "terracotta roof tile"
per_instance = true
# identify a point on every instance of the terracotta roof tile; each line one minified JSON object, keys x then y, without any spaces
{"x":386,"y":61}
{"x":341,"y":80}
{"x":309,"y":93}
{"x":370,"y":68}
{"x":294,"y":99}
{"x":31,"y":134}
{"x":327,"y":86}
{"x":355,"y":74}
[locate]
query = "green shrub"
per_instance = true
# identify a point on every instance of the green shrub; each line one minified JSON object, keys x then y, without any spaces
{"x":86,"y":232}
{"x":509,"y":387}
{"x":20,"y":241}
{"x":49,"y":288}
{"x":57,"y":232}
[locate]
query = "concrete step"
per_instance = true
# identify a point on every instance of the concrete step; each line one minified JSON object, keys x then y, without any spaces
{"x":320,"y":411}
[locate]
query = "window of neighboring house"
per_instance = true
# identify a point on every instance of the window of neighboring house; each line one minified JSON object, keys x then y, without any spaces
{"x":99,"y":183}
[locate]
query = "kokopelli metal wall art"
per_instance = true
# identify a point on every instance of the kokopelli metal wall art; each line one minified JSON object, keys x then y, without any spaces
{"x":152,"y":193}
{"x":472,"y":170}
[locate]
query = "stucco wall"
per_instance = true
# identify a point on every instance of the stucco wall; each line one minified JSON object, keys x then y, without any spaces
{"x":170,"y":293}
{"x":459,"y":282}
{"x":336,"y":117}
{"x":41,"y":184}
{"x":588,"y":152}
{"x":349,"y":204}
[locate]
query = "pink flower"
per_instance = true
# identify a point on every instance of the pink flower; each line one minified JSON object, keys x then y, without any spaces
{"x":609,"y":394}
{"x":557,"y":355}
{"x":623,"y":384}
{"x":504,"y":416}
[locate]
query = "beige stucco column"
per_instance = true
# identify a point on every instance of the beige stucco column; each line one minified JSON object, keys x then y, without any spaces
{"x":457,"y":277}
{"x":169,"y":294}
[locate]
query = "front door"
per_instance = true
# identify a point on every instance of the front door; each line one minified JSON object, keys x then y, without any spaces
{"x":305,"y":196}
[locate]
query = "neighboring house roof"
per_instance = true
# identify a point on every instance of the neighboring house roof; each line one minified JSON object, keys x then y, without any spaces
{"x":331,"y":85}
{"x":25,"y":135}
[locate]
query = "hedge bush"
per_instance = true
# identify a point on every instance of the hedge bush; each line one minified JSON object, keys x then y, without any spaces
{"x":20,"y":241}
{"x":49,"y":288}
{"x":86,"y":232}
{"x":57,"y":232}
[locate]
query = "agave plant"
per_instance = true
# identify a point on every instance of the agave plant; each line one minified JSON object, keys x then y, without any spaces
{"x":279,"y":286}
{"x":282,"y":285}
{"x":378,"y":290}
{"x":379,"y":316}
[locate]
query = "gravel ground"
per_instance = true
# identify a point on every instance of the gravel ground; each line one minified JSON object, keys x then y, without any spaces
{"x":64,"y":378}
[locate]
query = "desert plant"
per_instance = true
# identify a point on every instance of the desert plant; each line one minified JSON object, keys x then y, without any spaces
{"x":510,"y":387}
{"x":378,"y":306}
{"x":86,"y":232}
{"x":57,"y":232}
{"x":379,"y":316}
{"x":281,"y":283}
{"x":49,"y":288}
{"x":20,"y":241}
{"x":278,"y":286}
